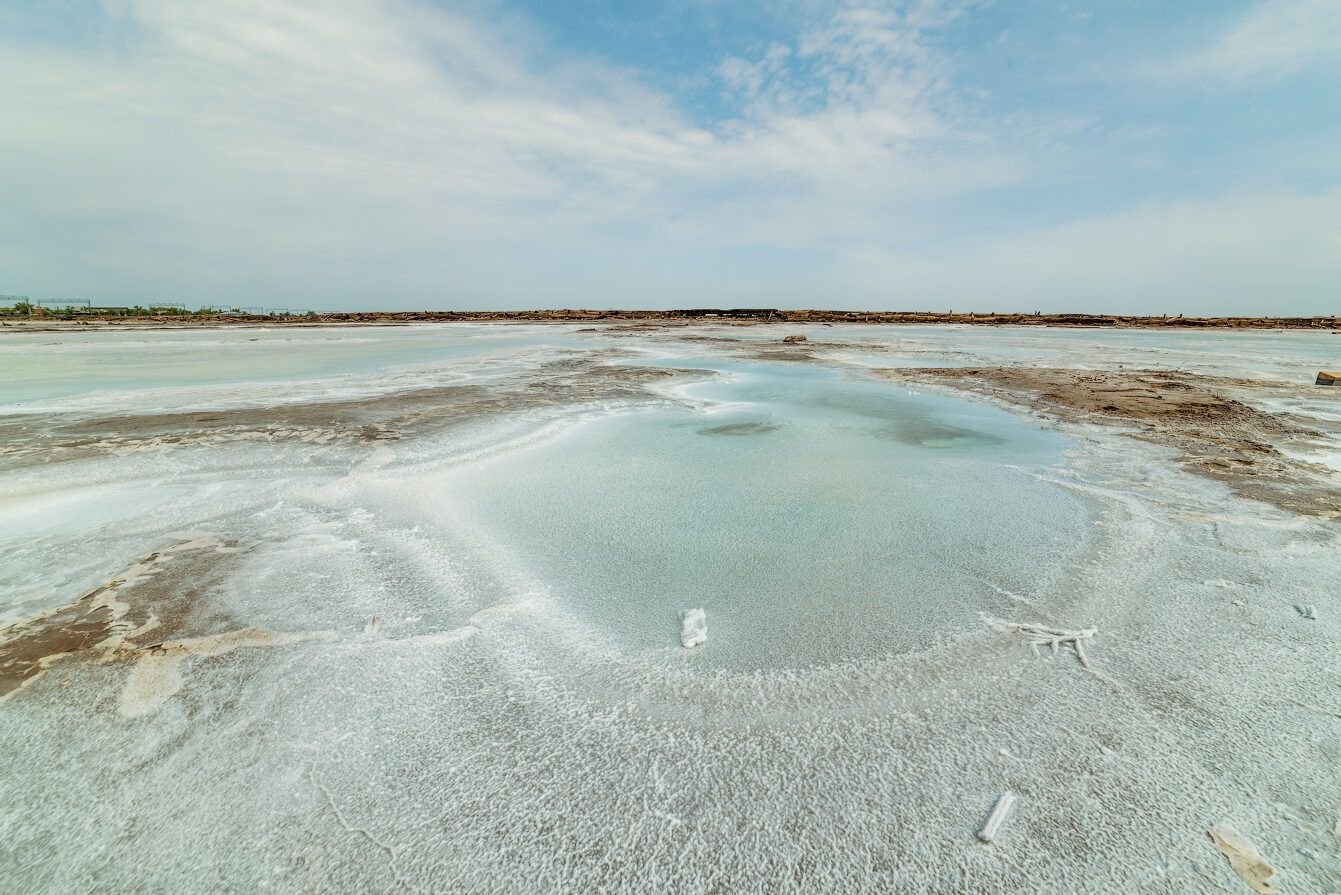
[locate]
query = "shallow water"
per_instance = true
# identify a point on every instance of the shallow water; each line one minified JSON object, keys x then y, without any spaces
{"x":483,"y":688}
{"x":248,"y":365}
{"x":816,"y":518}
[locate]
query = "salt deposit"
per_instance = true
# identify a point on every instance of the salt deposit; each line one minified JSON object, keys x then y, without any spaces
{"x":693,"y":628}
{"x":437,"y":653}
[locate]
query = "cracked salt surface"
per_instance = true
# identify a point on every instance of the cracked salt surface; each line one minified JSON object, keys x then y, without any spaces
{"x":523,"y":718}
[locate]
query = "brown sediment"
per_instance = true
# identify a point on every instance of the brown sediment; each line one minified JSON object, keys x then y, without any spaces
{"x":586,"y":376}
{"x":46,"y":319}
{"x":1216,"y":434}
{"x":155,"y":615}
{"x":70,"y":630}
{"x":160,"y":596}
{"x":796,"y":351}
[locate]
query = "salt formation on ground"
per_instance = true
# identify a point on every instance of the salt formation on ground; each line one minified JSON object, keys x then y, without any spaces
{"x":1042,"y":635}
{"x":519,"y":719}
{"x":693,"y":628}
{"x":992,"y":827}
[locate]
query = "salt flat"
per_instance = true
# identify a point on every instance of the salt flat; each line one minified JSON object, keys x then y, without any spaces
{"x":382,"y":609}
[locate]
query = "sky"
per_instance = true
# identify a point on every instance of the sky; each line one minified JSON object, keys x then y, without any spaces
{"x":1126,"y":156}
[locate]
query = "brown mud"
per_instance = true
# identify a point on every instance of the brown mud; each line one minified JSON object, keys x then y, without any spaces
{"x":154,"y":616}
{"x":1216,"y":434}
{"x":45,"y":319}
{"x":159,"y":597}
{"x":587,"y":376}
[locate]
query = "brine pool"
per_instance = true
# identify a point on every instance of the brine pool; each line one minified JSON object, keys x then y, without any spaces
{"x":468,"y":675}
{"x":815,"y":518}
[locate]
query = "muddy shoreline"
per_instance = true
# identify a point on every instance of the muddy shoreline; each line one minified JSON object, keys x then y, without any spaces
{"x":1209,"y":420}
{"x":44,"y":438}
{"x":649,"y":319}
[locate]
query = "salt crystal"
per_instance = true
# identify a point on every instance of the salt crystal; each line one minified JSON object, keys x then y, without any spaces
{"x":694,"y":629}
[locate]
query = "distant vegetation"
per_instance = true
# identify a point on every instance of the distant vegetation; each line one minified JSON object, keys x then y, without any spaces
{"x":22,"y":306}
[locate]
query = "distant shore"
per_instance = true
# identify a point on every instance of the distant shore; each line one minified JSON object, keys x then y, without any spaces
{"x":45,"y":319}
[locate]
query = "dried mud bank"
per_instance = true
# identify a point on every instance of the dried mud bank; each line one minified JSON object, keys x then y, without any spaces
{"x":583,"y":378}
{"x":1209,"y":420}
{"x":673,"y":317}
{"x":155,"y":616}
{"x":157,"y":607}
{"x":787,"y":349}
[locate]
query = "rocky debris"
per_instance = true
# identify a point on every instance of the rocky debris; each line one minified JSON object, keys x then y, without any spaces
{"x":795,"y":338}
{"x":1218,"y":436}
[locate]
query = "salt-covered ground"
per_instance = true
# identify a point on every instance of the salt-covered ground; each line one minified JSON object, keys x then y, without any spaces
{"x":399,"y":609}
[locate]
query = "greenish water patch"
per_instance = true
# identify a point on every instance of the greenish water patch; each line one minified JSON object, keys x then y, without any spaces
{"x":839,"y":536}
{"x":752,"y":427}
{"x":925,"y":433}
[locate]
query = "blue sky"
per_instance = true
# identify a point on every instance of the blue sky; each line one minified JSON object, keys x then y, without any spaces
{"x":1156,"y":157}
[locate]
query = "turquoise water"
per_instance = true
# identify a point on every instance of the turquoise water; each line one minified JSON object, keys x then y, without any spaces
{"x":815,"y":516}
{"x":304,"y":362}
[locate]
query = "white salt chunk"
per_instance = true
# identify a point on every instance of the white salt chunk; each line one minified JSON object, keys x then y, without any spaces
{"x":993,"y":825}
{"x":694,"y":628}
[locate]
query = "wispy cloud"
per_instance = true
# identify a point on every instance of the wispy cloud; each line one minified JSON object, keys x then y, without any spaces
{"x":348,"y":152}
{"x":1273,"y":39}
{"x":228,"y":112}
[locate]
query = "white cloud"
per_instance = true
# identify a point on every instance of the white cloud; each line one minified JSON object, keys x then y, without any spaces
{"x":274,"y":132}
{"x":1263,"y":253}
{"x":388,"y":152}
{"x":1275,"y":38}
{"x":431,"y":101}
